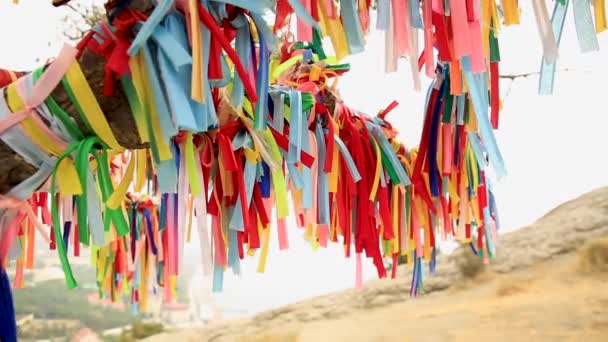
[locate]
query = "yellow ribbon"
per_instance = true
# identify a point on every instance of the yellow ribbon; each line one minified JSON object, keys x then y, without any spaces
{"x":336,"y":33}
{"x":510,"y":12}
{"x":600,"y":15}
{"x":90,"y":107}
{"x":197,"y":93}
{"x":141,"y":162}
{"x":68,"y":182}
{"x":372,"y":193}
{"x":265,"y":233}
{"x":118,"y":196}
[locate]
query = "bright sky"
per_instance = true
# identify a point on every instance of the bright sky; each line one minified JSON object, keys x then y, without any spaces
{"x":554,"y":146}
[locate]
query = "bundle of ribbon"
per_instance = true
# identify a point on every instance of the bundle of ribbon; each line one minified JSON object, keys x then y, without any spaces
{"x":237,"y":118}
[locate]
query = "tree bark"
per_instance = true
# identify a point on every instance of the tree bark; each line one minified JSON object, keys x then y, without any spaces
{"x":14,"y":169}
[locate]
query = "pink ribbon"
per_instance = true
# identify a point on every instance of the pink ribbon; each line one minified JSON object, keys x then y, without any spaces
{"x":42,"y":89}
{"x":9,"y":233}
{"x":358,"y":272}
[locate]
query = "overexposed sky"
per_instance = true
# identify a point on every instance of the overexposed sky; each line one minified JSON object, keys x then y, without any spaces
{"x":554,"y":146}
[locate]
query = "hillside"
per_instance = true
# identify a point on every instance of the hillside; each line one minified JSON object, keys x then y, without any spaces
{"x":538,"y":286}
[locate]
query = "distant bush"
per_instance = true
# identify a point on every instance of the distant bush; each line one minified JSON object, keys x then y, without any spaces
{"x":52,"y":300}
{"x":47,"y":331}
{"x":593,"y":257}
{"x":140,"y":330}
{"x":469,"y":264}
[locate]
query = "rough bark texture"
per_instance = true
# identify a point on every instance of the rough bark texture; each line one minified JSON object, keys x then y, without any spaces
{"x":14,"y":169}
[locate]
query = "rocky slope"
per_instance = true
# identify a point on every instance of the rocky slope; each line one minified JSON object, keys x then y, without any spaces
{"x":533,"y":288}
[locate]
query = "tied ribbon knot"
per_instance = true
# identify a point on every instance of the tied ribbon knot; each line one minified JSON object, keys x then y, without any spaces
{"x":43,"y":88}
{"x":113,"y":46}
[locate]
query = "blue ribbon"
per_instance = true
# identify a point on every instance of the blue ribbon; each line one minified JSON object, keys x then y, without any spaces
{"x":148,"y":27}
{"x":168,"y":129}
{"x":415,"y":17}
{"x":384,"y":12}
{"x":148,"y":219}
{"x":547,"y":70}
{"x":481,"y":112}
{"x":265,"y":182}
{"x":8,"y":324}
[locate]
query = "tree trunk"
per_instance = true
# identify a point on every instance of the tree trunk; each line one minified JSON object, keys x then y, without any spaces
{"x":14,"y":169}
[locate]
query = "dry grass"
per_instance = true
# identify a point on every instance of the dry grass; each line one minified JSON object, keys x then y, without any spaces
{"x":275,"y":336}
{"x":509,"y":289}
{"x":593,"y":257}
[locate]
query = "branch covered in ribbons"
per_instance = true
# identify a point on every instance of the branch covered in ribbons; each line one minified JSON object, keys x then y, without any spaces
{"x":239,"y":117}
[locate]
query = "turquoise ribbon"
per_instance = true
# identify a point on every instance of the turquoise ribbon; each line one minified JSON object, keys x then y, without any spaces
{"x":243,"y":51}
{"x":307,"y":191}
{"x":295,"y":129}
{"x":250,"y":173}
{"x":322,"y":184}
{"x":481,"y":112}
{"x":352,"y":26}
{"x":218,"y":278}
{"x":278,"y":114}
{"x":295,"y":176}
{"x":547,"y":70}
{"x":233,"y":251}
{"x":386,"y":147}
{"x":460,"y":105}
{"x":587,"y":38}
{"x":478,"y":149}
{"x":242,"y":140}
{"x":166,"y":175}
{"x":261,"y":107}
{"x":352,"y":168}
